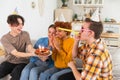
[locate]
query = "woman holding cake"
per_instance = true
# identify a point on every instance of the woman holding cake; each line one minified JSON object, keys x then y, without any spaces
{"x":39,"y":64}
{"x":62,"y":45}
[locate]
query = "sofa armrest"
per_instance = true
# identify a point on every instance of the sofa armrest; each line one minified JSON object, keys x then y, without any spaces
{"x":2,"y":58}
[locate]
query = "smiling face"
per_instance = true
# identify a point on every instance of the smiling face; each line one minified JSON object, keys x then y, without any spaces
{"x":60,"y":33}
{"x":16,"y":28}
{"x":51,"y":32}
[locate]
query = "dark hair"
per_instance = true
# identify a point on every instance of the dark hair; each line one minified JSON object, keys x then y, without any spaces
{"x":97,"y":27}
{"x":52,"y":25}
{"x":66,"y":25}
{"x":12,"y":19}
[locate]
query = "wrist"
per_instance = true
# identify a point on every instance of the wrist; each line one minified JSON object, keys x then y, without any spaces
{"x":33,"y":54}
{"x":73,"y":68}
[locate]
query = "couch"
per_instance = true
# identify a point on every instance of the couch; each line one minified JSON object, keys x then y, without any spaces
{"x":2,"y":58}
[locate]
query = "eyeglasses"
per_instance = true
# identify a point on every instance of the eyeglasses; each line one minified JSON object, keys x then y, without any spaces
{"x":83,"y":29}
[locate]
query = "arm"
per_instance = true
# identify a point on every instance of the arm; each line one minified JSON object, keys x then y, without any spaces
{"x":92,"y":67}
{"x":54,"y":50}
{"x":30,"y":49}
{"x":19,"y":49}
{"x":76,"y":73}
{"x":91,"y":70}
{"x":75,"y":46}
{"x":21,"y":54}
{"x":75,"y":49}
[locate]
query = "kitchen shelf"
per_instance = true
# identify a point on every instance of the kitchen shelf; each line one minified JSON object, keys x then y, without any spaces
{"x":88,"y":3}
{"x":111,"y":33}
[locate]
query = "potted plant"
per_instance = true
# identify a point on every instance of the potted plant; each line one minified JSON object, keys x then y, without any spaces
{"x":75,"y":17}
{"x":64,"y":3}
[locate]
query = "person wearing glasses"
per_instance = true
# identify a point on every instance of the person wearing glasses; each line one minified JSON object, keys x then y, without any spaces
{"x":18,"y":48}
{"x":97,"y":63}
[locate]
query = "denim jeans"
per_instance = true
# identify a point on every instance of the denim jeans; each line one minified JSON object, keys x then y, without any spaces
{"x":52,"y":73}
{"x":32,"y":71}
{"x":58,"y":74}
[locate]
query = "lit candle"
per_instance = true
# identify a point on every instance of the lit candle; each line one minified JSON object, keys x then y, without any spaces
{"x":42,"y":47}
{"x":39,"y":47}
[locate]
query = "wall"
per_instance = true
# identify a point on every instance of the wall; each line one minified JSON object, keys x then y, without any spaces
{"x":35,"y":24}
{"x":111,"y":9}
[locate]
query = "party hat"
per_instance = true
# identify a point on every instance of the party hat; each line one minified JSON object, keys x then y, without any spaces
{"x":56,"y":19}
{"x":96,"y":15}
{"x":62,"y":18}
{"x":15,"y":11}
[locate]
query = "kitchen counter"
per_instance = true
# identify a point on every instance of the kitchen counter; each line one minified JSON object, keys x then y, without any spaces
{"x":110,"y":35}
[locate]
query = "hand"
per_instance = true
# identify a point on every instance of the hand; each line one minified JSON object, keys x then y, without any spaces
{"x":77,"y":37}
{"x":33,"y":54}
{"x":57,"y":43}
{"x":71,"y":64}
{"x":43,"y":58}
{"x":51,"y":41}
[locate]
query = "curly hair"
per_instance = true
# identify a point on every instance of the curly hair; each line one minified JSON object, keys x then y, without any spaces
{"x":66,"y":25}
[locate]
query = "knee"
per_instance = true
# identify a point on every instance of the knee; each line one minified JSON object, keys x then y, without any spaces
{"x":25,"y":71}
{"x":54,"y":77}
{"x":44,"y":73}
{"x":44,"y":76}
{"x":34,"y":71}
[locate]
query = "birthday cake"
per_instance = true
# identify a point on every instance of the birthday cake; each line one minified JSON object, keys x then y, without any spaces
{"x":42,"y":52}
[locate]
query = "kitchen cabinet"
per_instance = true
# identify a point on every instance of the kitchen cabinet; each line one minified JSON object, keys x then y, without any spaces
{"x":111,"y":34}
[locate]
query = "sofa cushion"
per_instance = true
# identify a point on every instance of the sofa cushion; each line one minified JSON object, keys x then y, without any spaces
{"x":2,"y":52}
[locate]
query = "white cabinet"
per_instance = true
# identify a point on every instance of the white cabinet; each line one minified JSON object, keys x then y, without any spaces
{"x":111,"y":34}
{"x":63,"y":14}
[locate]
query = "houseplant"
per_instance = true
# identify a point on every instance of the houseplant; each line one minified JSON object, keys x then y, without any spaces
{"x":64,"y":3}
{"x":75,"y":17}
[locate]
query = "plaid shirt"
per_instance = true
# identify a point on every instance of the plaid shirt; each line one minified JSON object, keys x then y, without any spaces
{"x":97,"y":63}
